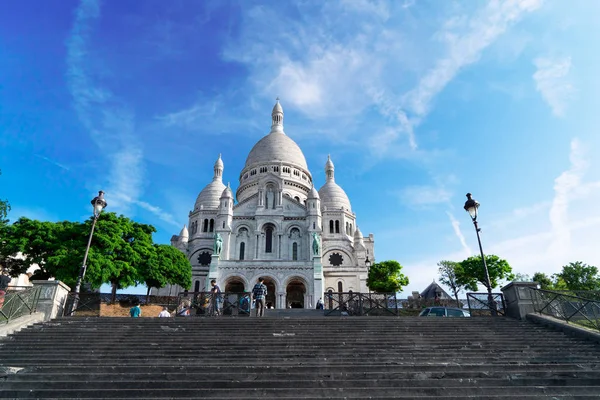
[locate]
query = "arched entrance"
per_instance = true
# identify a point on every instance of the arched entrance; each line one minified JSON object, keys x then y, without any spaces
{"x":271,"y":294}
{"x":295,"y":291}
{"x":234,"y":285}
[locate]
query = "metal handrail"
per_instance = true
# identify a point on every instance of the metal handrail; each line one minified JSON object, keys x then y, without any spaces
{"x":481,"y":304}
{"x":15,"y":304}
{"x":360,"y":304}
{"x":567,"y":307}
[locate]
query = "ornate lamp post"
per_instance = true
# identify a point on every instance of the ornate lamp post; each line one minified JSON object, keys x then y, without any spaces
{"x":98,"y":204}
{"x":471,"y":206}
{"x":368,"y":262}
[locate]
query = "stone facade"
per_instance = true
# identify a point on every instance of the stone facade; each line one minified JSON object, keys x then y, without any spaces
{"x":271,"y":230}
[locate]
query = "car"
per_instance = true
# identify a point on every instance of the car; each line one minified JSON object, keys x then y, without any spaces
{"x":444,"y":312}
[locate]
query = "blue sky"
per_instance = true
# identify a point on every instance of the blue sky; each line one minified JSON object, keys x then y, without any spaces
{"x":418,"y":103}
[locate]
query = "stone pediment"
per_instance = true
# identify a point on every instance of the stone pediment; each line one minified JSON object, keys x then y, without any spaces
{"x":246,"y":207}
{"x":292,"y":207}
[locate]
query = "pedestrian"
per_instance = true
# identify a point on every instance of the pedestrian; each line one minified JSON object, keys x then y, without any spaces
{"x":4,"y":282}
{"x":320,"y":304}
{"x":215,"y":298}
{"x":259,"y":292}
{"x":164,"y":313}
{"x":135,"y":311}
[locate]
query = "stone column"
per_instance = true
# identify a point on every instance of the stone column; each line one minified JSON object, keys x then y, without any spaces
{"x":280,"y":300}
{"x":518,"y":299}
{"x":53,"y":297}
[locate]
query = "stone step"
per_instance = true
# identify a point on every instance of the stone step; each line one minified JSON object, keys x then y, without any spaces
{"x":251,"y":382}
{"x":301,"y":392}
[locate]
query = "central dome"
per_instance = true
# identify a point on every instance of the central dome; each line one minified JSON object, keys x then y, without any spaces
{"x":275,"y":147}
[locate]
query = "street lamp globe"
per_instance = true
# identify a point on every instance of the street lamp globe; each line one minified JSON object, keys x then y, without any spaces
{"x":368,"y":263}
{"x":471,"y":206}
{"x":98,"y":203}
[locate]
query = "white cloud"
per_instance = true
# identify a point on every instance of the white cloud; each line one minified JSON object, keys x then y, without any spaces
{"x":551,"y":81}
{"x":109,"y":122}
{"x":572,"y":236}
{"x":424,"y":195}
{"x":564,"y":188}
{"x":459,"y":234}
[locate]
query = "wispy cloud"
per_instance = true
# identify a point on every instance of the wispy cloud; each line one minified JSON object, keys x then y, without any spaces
{"x":109,"y":121}
{"x":551,"y":80}
{"x":55,"y":163}
{"x":456,"y":226}
{"x":424,"y":195}
{"x":309,"y":66}
{"x":564,"y":188}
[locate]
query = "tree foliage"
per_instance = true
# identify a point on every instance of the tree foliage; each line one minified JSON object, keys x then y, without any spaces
{"x":470,"y":272}
{"x":168,"y":265}
{"x":579,"y":276}
{"x":447,"y":271}
{"x":543,"y":280}
{"x":386,"y":277}
{"x":122,"y":252}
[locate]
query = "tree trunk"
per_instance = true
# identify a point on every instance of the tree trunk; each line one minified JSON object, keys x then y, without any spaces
{"x":148,"y":295}
{"x":113,"y":292}
{"x":456,"y":297}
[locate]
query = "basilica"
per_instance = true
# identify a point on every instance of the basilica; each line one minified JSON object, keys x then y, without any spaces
{"x":303,"y":242}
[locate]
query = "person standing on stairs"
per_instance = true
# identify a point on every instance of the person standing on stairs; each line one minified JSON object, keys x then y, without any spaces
{"x":216,"y":299}
{"x":135,"y":311}
{"x":259,"y":293}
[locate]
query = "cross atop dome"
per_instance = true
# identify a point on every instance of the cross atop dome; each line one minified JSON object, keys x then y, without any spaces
{"x":277,"y":117}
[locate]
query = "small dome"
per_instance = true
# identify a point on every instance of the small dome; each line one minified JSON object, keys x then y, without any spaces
{"x":277,"y":108}
{"x":219,"y":163}
{"x":210,"y":195}
{"x":329,"y":164}
{"x":333,"y":197}
{"x":227,"y":192}
{"x":184,"y":234}
{"x":313,"y":193}
{"x":358,"y":234}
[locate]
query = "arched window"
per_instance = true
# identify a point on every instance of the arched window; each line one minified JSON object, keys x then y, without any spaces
{"x":347,"y":229}
{"x":242,"y":250}
{"x":269,"y":240}
{"x":331,"y":226}
{"x":197,"y":286}
{"x":295,"y":251}
{"x":205,"y":227}
{"x":223,"y":224}
{"x":297,"y":199}
{"x":340,"y":287}
{"x":337,"y":226}
{"x":212,"y":225}
{"x":314,"y":225}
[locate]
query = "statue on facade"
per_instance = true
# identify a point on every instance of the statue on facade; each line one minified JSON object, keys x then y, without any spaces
{"x":316,"y":244}
{"x":218,"y":244}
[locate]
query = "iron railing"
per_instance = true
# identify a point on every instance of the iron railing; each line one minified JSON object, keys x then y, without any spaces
{"x":207,"y":304}
{"x":360,"y":304}
{"x":15,"y":304}
{"x":480,"y":304}
{"x":88,"y":305}
{"x":567,"y":307}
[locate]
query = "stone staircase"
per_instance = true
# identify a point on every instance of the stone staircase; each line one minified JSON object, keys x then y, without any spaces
{"x":297,"y":358}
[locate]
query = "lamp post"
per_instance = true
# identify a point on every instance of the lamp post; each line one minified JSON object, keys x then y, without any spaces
{"x":471,"y":206}
{"x":98,"y":204}
{"x":368,"y":262}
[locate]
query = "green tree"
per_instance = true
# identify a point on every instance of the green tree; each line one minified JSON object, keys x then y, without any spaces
{"x":447,"y":273}
{"x":386,"y":277}
{"x":168,"y":265}
{"x":543,"y":280}
{"x":579,"y":276}
{"x":471,"y":272}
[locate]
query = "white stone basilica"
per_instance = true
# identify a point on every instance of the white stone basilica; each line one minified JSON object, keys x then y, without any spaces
{"x":271,"y":231}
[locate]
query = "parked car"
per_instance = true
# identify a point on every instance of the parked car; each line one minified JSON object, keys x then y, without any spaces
{"x":444,"y":312}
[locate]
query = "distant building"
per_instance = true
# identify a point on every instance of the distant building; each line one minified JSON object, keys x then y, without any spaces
{"x":435,"y":291}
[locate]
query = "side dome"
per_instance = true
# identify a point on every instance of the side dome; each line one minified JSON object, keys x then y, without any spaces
{"x":210,"y":196}
{"x":333,"y":197}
